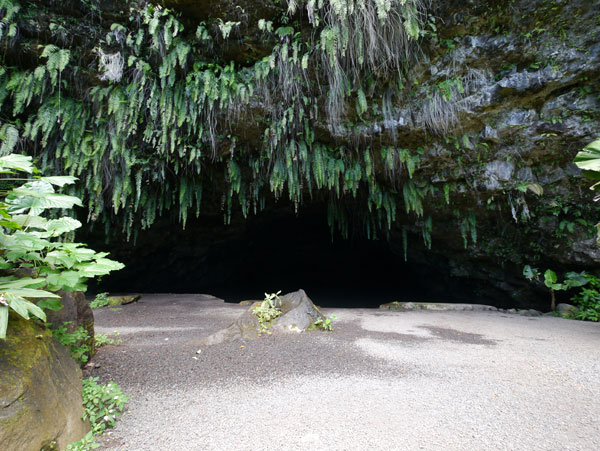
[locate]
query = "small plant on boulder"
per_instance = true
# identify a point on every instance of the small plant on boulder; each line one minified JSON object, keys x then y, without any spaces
{"x":267,"y":311}
{"x":74,"y":341}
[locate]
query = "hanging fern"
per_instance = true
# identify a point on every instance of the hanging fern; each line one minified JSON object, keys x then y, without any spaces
{"x":152,"y":138}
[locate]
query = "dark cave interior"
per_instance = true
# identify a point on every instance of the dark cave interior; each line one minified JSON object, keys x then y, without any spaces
{"x":272,"y":252}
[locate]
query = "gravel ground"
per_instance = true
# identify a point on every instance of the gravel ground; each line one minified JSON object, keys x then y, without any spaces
{"x":383,"y":380}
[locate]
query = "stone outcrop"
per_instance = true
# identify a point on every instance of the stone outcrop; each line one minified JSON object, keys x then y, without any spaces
{"x":436,"y":307}
{"x":40,"y":391}
{"x":297,"y":314}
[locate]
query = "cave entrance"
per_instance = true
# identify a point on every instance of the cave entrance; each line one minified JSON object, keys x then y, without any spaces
{"x":278,"y":251}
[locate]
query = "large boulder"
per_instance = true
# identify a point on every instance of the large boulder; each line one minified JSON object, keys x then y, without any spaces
{"x":40,"y":390}
{"x":75,"y":313}
{"x":298,"y":313}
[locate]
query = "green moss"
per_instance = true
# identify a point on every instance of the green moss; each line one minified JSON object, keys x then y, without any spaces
{"x":18,"y":348}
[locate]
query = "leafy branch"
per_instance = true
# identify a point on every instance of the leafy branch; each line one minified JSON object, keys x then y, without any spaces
{"x":34,"y":264}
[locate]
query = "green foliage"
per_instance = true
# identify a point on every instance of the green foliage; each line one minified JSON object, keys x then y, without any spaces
{"x":103,"y":404}
{"x":29,"y":244}
{"x":588,"y":299}
{"x":103,"y":340}
{"x":34,"y":262}
{"x":588,"y":160}
{"x":101,"y":300}
{"x":324,"y":324}
{"x":152,"y":139}
{"x":267,"y":311}
{"x":572,"y":280}
{"x":85,"y":444}
{"x":75,"y":341}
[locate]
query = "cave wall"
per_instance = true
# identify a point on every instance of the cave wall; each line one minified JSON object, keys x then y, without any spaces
{"x":473,"y":152}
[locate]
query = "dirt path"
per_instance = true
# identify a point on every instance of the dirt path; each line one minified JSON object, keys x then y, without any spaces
{"x":382,"y":380}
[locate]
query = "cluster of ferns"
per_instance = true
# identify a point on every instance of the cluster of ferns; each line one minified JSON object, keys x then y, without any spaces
{"x":157,"y":120}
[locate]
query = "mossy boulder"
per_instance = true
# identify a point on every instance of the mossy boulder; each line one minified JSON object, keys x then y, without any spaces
{"x":113,"y":301}
{"x":40,"y":390}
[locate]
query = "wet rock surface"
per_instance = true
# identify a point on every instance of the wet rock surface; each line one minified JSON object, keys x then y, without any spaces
{"x":40,"y":391}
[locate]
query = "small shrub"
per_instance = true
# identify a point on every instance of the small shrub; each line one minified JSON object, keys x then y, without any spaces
{"x":103,"y":404}
{"x":324,"y":324}
{"x":75,"y":341}
{"x":588,"y":300}
{"x":101,"y":300}
{"x":103,"y":339}
{"x":87,"y":443}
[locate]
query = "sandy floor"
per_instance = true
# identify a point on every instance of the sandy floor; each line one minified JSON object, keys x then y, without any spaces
{"x":382,"y":380}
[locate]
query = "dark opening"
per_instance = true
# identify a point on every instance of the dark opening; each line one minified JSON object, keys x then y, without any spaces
{"x":273,"y":252}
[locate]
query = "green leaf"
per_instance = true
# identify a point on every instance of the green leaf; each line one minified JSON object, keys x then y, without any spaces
{"x":284,"y":31}
{"x":56,"y":227}
{"x":50,"y":304}
{"x":37,"y":222}
{"x":32,"y":293}
{"x":80,"y":254}
{"x":3,"y":321}
{"x":60,"y":180}
{"x":19,"y":162}
{"x":100,"y":267}
{"x":535,"y":188}
{"x":574,"y":279}
{"x":18,"y":304}
{"x":550,"y":276}
{"x":529,"y":272}
{"x":10,"y":283}
{"x":12,"y":225}
{"x":64,"y":279}
{"x":9,"y":135}
{"x":60,"y":258}
{"x":589,"y":158}
{"x":35,"y":310}
{"x":20,"y":243}
{"x":37,"y":204}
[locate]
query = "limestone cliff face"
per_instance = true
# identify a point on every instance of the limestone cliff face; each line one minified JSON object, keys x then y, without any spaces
{"x":473,"y":151}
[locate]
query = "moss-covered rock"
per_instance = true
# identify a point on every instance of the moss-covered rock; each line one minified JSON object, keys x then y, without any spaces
{"x":40,"y":390}
{"x":123,"y":300}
